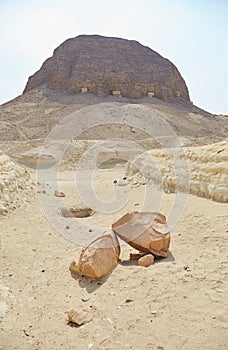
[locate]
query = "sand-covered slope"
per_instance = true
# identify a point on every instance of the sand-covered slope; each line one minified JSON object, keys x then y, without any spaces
{"x":33,"y":115}
{"x":206,"y":167}
{"x":15,"y":184}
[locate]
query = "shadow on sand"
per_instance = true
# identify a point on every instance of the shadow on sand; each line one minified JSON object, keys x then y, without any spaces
{"x":91,"y":285}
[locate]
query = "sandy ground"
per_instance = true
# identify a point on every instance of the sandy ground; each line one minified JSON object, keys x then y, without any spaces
{"x":178,"y":303}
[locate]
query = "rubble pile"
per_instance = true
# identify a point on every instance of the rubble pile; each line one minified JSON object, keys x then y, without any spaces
{"x":147,"y":232}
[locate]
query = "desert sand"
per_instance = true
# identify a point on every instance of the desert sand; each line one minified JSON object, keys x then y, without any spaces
{"x":180,"y":302}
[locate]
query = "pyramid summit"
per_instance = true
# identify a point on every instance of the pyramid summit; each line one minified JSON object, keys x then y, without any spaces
{"x":106,"y":65}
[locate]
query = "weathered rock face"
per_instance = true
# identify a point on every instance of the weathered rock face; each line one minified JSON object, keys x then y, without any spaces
{"x":102,"y":65}
{"x":206,"y":166}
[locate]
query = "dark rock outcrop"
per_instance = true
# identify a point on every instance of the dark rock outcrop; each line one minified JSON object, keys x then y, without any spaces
{"x":103,"y":65}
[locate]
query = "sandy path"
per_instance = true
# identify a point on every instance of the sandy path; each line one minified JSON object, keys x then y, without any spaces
{"x":179,"y":303}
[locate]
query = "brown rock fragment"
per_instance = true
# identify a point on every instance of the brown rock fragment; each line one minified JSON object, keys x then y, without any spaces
{"x":99,"y":258}
{"x":146,"y":260}
{"x":136,"y":256}
{"x":59,"y":194}
{"x":144,"y":231}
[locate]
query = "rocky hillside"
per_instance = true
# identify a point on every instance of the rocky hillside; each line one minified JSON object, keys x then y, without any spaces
{"x":102,"y":65}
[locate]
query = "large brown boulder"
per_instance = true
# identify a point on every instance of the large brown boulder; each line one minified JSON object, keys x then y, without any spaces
{"x":102,"y":65}
{"x":99,"y":258}
{"x":146,"y":232}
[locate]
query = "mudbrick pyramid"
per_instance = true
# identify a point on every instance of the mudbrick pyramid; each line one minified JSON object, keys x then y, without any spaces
{"x":104,"y":66}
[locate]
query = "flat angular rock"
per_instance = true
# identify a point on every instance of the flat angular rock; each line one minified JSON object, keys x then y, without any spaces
{"x":144,"y":231}
{"x":136,"y":256}
{"x":77,"y":212}
{"x":99,"y":258}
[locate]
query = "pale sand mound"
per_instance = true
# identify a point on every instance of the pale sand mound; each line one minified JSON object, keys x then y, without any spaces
{"x":15,"y":184}
{"x":206,"y":167}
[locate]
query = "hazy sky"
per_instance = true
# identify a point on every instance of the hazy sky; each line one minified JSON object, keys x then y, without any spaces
{"x":193,"y":34}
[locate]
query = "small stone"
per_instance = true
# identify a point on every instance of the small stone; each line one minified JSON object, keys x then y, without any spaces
{"x":59,"y":194}
{"x":186,"y":268}
{"x":79,"y":317}
{"x":146,"y":260}
{"x":85,"y":299}
{"x":128,"y":300}
{"x":136,"y":256}
{"x":26,"y":333}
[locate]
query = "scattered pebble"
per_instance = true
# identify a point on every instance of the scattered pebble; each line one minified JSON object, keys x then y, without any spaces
{"x":26,"y":333}
{"x":79,"y":317}
{"x":186,"y":268}
{"x":85,"y":299}
{"x":59,"y":194}
{"x":128,"y":300}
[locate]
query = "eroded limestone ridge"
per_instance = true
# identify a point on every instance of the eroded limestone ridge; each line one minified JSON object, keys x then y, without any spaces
{"x":15,"y":185}
{"x":104,"y":66}
{"x":207,"y":170}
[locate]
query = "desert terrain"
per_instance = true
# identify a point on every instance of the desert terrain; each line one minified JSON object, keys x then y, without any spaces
{"x":177,"y":303}
{"x":114,"y":155}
